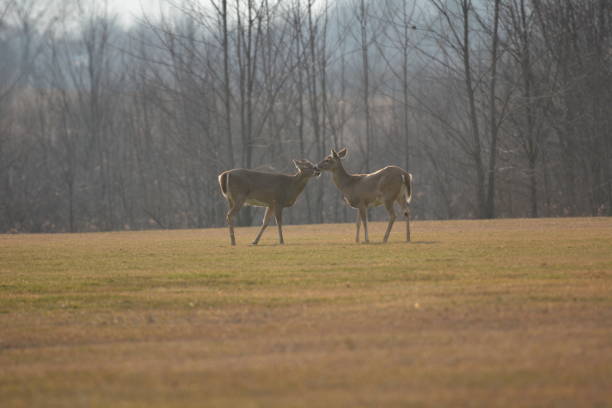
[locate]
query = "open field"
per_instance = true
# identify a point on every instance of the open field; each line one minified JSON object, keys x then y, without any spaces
{"x":471,"y":313}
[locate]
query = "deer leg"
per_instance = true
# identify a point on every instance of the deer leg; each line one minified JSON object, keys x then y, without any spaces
{"x":358,"y":223}
{"x":391,"y":211}
{"x":407,"y":214}
{"x":266,"y":220}
{"x":279,"y":221}
{"x":363,"y":212}
{"x":406,"y":210}
{"x":235,"y":206}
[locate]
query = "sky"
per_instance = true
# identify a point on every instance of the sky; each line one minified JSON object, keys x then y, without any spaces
{"x":129,"y":6}
{"x":130,"y":9}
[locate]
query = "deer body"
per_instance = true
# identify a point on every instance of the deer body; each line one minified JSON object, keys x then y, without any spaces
{"x":271,"y":190}
{"x":386,"y":186}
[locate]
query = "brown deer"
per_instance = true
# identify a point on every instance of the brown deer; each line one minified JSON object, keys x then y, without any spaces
{"x":271,"y":190}
{"x":386,"y":186}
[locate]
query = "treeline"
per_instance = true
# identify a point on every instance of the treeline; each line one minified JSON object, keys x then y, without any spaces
{"x":499,"y":108}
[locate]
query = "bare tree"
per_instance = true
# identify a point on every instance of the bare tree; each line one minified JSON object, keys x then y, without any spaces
{"x":460,"y":44}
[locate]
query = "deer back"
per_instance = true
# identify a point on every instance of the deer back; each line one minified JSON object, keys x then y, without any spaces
{"x":259,"y":188}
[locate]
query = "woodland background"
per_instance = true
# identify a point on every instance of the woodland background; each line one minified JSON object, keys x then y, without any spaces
{"x":499,"y":108}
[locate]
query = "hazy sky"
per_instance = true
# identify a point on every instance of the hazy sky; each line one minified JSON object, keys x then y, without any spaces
{"x":128,"y":9}
{"x":125,"y":7}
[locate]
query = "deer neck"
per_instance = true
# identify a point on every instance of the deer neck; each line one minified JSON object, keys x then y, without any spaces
{"x":341,"y":178}
{"x":298,"y":182}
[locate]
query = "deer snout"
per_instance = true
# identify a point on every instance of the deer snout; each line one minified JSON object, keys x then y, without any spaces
{"x":317,"y":172}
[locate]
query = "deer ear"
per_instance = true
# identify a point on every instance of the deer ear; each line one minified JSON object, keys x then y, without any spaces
{"x":342,"y":153}
{"x":333,"y":153}
{"x":299,"y":163}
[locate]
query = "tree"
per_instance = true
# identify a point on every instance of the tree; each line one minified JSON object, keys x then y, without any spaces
{"x":459,"y":46}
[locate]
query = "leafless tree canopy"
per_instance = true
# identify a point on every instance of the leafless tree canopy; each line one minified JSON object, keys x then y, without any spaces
{"x":498,"y":108}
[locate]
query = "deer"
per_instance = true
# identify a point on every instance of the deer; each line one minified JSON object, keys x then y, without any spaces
{"x":386,"y":186}
{"x":274,"y":191}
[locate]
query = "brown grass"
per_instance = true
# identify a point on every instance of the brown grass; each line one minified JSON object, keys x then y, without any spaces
{"x":472,"y":313}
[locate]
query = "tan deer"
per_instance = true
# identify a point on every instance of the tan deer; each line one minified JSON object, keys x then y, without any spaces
{"x":386,"y":186}
{"x":271,"y":190}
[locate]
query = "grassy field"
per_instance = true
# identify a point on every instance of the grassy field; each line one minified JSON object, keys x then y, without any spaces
{"x":471,"y":313}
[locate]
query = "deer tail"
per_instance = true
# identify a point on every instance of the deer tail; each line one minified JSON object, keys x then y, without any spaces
{"x":407,"y":177}
{"x":224,"y":183}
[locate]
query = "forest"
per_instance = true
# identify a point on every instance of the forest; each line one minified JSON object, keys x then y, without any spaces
{"x":499,"y":108}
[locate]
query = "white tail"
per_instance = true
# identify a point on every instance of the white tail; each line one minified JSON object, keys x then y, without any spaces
{"x":407,"y":178}
{"x":223,"y":182}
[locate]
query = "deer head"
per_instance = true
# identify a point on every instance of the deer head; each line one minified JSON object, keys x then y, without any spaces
{"x":332,"y":161}
{"x":306,"y":168}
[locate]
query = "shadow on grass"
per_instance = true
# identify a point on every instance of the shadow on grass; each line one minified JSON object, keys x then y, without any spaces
{"x":396,"y":243}
{"x":343,"y":244}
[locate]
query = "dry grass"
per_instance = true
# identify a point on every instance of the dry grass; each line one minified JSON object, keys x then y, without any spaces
{"x":472,"y":313}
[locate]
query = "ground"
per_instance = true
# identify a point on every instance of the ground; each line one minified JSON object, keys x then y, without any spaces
{"x":471,"y":313}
